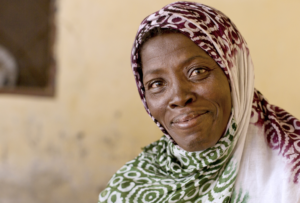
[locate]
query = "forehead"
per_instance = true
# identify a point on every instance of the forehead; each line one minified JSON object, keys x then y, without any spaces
{"x":170,"y":47}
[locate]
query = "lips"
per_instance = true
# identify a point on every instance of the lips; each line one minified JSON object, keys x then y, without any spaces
{"x":188,"y":120}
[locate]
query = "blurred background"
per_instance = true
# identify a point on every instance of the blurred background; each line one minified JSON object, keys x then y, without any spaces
{"x":64,"y":147}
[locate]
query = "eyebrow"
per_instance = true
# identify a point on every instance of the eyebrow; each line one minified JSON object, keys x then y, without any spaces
{"x":192,"y":58}
{"x":155,"y":71}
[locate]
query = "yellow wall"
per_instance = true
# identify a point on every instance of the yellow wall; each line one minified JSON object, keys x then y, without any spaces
{"x":65,"y":149}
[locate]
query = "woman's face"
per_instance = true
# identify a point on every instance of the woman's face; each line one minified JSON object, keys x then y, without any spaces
{"x":186,"y":91}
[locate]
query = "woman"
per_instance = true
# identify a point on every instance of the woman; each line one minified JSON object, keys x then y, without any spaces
{"x":223,"y":142}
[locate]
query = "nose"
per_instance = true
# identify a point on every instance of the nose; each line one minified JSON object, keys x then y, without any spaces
{"x":181,"y":96}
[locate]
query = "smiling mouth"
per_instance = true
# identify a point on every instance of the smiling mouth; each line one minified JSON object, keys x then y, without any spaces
{"x":188,"y":120}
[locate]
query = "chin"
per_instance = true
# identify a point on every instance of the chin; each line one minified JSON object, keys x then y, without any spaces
{"x":197,"y":143}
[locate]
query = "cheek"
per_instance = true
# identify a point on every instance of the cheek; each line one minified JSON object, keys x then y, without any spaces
{"x":157,"y":107}
{"x":217,"y":90}
{"x":223,"y":96}
{"x":226,"y":93}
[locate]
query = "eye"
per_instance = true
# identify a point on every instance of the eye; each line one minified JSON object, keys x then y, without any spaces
{"x":155,"y":85}
{"x":198,"y":71}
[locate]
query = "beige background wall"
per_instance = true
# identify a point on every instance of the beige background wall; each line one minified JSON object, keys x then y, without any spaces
{"x":66,"y":148}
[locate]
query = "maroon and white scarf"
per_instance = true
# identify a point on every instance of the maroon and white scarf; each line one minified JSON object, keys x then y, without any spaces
{"x":268,"y":149}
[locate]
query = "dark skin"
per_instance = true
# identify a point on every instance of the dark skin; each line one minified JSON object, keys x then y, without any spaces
{"x":186,"y":91}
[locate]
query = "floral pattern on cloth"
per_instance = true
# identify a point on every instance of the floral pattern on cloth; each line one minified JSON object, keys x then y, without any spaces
{"x":282,"y":131}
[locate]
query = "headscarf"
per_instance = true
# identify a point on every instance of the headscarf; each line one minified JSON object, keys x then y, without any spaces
{"x":258,"y":157}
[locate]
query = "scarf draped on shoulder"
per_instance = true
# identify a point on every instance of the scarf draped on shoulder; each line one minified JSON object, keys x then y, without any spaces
{"x":258,"y":157}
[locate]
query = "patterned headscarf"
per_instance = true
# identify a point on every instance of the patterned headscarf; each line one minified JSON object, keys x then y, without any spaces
{"x":258,"y":157}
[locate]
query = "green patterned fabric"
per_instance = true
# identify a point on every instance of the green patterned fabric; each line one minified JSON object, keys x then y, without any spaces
{"x":165,"y":173}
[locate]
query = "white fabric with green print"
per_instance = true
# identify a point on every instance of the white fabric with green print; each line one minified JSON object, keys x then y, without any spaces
{"x":165,"y":173}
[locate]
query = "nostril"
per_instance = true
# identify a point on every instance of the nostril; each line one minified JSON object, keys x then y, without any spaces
{"x":189,"y":101}
{"x":173,"y":106}
{"x":181,"y":102}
